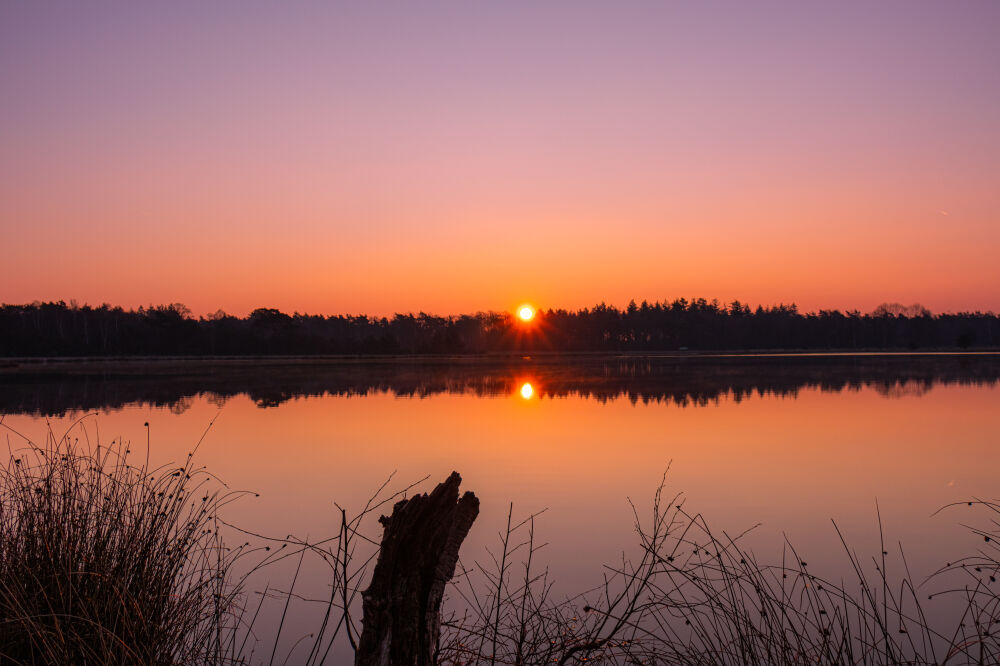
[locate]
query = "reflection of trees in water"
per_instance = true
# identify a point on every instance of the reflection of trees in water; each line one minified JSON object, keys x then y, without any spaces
{"x":181,"y":405}
{"x":682,"y":381}
{"x":216,"y":400}
{"x":906,"y":389}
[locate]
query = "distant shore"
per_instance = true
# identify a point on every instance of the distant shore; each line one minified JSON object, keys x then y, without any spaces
{"x":168,"y":364}
{"x":679,"y":328}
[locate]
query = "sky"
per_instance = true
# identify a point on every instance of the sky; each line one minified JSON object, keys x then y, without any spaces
{"x":449,"y":157}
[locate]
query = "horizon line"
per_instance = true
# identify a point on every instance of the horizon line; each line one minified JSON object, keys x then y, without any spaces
{"x":886,"y":307}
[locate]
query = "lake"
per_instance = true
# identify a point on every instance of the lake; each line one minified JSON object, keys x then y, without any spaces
{"x":787,"y":443}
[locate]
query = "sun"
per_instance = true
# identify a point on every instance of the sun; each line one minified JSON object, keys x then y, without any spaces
{"x":527,"y":391}
{"x":526,"y":313}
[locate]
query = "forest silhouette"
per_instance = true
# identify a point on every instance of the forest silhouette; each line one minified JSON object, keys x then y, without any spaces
{"x":57,"y":329}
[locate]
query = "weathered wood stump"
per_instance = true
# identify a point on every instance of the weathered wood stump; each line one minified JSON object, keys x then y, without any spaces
{"x":402,"y":606}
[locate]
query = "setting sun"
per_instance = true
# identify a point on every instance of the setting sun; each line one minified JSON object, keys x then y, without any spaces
{"x":563,"y":247}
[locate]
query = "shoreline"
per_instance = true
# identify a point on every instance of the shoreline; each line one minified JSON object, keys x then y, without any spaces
{"x":55,"y":364}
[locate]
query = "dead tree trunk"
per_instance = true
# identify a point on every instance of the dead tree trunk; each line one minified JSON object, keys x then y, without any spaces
{"x":402,"y":606}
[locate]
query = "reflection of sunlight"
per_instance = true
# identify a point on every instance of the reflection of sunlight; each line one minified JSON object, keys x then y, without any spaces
{"x":527,"y":391}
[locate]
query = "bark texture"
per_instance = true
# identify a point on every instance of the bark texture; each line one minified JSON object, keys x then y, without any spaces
{"x":402,"y":606}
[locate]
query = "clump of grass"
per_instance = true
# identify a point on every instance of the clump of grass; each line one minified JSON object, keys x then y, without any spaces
{"x":103,"y":561}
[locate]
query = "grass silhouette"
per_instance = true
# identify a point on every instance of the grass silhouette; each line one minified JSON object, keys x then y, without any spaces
{"x":104,"y":560}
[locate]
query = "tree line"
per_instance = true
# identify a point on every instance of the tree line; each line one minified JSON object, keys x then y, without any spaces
{"x":58,"y":329}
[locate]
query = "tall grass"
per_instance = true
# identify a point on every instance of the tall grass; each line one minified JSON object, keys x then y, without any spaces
{"x":692,"y":597}
{"x":103,"y":561}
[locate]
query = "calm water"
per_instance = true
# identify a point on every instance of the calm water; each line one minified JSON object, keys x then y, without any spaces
{"x":790,"y":443}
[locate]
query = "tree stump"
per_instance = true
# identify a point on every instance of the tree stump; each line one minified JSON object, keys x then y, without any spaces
{"x":402,"y":605}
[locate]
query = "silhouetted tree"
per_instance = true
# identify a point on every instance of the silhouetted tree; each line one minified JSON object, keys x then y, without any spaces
{"x":58,"y":329}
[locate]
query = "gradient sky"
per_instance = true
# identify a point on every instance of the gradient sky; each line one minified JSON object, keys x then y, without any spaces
{"x":451,"y":157}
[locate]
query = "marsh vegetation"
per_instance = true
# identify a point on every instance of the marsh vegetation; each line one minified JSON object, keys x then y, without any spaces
{"x":104,"y":559}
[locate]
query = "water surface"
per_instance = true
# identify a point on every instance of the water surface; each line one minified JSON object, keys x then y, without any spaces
{"x":787,"y":442}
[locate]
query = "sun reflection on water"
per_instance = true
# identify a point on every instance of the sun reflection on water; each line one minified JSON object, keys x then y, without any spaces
{"x":527,"y":391}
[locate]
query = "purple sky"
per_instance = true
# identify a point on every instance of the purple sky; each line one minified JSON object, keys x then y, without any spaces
{"x":448,"y":157}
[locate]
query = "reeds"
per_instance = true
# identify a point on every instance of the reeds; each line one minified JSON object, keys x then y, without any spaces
{"x":107,"y":562}
{"x":695,"y":598}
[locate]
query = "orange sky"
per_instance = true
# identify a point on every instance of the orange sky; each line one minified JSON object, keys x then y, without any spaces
{"x":456,"y":158}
